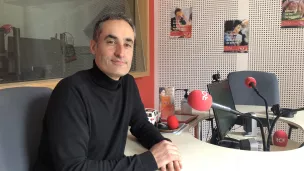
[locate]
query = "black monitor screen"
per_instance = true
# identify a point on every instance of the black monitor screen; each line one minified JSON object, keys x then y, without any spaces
{"x":221,"y":94}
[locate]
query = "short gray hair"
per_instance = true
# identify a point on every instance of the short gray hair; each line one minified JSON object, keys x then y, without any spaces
{"x":111,"y":16}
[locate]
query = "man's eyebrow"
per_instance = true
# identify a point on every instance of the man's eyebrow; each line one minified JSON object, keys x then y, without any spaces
{"x":110,"y":36}
{"x":129,"y":40}
{"x":116,"y":38}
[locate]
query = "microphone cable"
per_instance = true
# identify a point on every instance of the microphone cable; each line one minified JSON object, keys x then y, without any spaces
{"x":251,"y":82}
{"x":266,"y":106}
{"x":276,"y":111}
{"x":270,"y":132}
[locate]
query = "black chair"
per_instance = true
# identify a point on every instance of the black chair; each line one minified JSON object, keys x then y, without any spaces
{"x":267,"y":85}
{"x":22,"y":112}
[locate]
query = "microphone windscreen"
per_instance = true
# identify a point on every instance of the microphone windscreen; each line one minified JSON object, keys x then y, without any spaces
{"x":250,"y":80}
{"x":200,"y":100}
{"x":172,"y":122}
{"x":280,"y":138}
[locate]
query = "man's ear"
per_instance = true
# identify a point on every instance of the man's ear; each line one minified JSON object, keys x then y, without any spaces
{"x":93,"y":48}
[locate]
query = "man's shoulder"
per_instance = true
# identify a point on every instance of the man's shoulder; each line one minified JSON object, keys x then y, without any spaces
{"x":128,"y":76}
{"x":128,"y":79}
{"x":73,"y":81}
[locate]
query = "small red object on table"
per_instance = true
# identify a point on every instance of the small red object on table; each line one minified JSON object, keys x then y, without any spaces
{"x":182,"y":117}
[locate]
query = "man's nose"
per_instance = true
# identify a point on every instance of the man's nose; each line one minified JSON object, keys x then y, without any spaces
{"x":119,"y":52}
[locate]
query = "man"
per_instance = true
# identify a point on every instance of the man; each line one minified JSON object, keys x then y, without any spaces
{"x":177,"y":20}
{"x":88,"y":115}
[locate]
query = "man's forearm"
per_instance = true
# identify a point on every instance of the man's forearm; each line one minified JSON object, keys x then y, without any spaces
{"x":144,"y":161}
{"x":147,"y":134}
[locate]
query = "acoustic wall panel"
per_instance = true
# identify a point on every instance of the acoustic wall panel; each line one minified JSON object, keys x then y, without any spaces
{"x":190,"y":62}
{"x":280,"y":51}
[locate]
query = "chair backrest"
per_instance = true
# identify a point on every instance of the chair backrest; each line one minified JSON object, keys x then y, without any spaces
{"x":267,"y":85}
{"x":21,"y":113}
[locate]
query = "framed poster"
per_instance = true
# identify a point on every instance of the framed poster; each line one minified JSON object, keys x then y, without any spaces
{"x":181,"y":23}
{"x":292,"y":13}
{"x":166,"y":101}
{"x":236,"y":36}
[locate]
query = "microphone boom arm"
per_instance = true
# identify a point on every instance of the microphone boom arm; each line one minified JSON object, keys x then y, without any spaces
{"x":248,"y":115}
{"x":225,"y":108}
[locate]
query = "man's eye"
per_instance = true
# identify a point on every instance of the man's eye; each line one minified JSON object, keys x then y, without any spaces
{"x":111,"y":42}
{"x":128,"y":45}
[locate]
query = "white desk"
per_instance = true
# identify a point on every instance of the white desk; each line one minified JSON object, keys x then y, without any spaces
{"x":199,"y":155}
{"x":297,"y":121}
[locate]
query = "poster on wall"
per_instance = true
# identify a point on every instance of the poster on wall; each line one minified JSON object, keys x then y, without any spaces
{"x":236,"y":36}
{"x":292,"y":13}
{"x":166,"y":101}
{"x":181,"y":22}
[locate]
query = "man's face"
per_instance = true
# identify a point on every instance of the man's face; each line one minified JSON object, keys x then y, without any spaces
{"x":237,"y":29}
{"x":163,"y":93}
{"x":114,"y":49}
{"x":179,"y":14}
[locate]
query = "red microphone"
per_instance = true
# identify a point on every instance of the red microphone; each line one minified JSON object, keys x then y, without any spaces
{"x":172,"y":122}
{"x":202,"y":101}
{"x":250,"y":82}
{"x":280,"y":138}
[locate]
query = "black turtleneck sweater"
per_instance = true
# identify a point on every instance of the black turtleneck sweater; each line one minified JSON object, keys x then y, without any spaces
{"x":86,"y":125}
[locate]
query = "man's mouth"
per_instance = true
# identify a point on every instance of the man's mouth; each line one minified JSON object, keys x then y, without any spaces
{"x":118,"y":62}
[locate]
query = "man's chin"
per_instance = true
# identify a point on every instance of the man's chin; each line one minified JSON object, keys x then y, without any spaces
{"x":120,"y":74}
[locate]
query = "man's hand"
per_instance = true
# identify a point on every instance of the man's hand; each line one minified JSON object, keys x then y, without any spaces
{"x":172,"y":166}
{"x":164,"y":153}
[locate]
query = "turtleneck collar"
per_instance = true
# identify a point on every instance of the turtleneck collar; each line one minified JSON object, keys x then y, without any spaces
{"x":103,"y":80}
